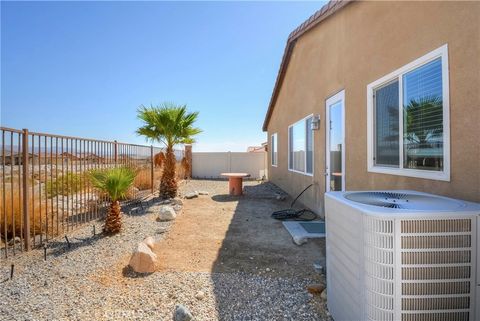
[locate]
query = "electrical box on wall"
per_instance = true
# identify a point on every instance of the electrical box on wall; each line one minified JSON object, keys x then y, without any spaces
{"x":315,"y":122}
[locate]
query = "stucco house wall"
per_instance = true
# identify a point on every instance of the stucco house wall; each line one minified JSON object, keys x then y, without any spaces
{"x":357,"y":45}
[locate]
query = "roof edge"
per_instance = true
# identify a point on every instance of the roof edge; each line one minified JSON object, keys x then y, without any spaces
{"x":327,"y":10}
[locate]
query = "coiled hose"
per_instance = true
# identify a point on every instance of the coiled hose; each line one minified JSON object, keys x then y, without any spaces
{"x":291,"y":214}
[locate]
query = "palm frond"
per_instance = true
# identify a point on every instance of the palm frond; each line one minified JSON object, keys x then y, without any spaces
{"x":113,"y":181}
{"x":167,"y":123}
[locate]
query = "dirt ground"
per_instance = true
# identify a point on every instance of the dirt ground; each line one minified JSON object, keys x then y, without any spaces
{"x":222,"y":233}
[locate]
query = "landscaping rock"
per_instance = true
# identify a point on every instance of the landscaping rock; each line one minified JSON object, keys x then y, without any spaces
{"x":167,"y":213}
{"x":200,"y":295}
{"x":202,"y":193}
{"x":177,"y":201}
{"x":16,"y":240}
{"x":177,"y":208}
{"x":191,"y":195}
{"x":150,"y":242}
{"x":182,"y":313}
{"x":280,"y":197}
{"x":143,"y":260}
{"x":323,"y":295}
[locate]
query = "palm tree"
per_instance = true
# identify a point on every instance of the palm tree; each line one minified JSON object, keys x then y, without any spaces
{"x":115,"y":182}
{"x":423,"y":120}
{"x":168,"y":124}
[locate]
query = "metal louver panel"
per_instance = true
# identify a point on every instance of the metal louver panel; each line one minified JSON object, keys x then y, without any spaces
{"x":436,"y":270}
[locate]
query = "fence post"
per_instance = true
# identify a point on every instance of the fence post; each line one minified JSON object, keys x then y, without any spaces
{"x":115,"y":151}
{"x":152,"y":165}
{"x":25,"y":189}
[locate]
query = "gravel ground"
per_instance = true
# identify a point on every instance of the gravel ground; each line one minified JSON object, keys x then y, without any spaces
{"x":90,"y":281}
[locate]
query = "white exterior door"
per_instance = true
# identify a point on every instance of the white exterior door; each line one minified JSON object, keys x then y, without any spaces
{"x":335,"y":143}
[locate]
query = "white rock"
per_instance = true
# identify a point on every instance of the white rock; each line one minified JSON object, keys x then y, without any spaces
{"x":150,"y":242}
{"x":167,"y":213}
{"x":182,"y":314}
{"x":143,"y":260}
{"x":267,"y":269}
{"x":177,"y":201}
{"x":323,"y":295}
{"x":200,"y":295}
{"x":202,"y":193}
{"x":191,"y":195}
{"x":16,"y":240}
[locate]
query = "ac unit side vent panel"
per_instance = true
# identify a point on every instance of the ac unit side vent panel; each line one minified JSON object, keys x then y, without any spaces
{"x":436,"y":273}
{"x":436,"y":226}
{"x":437,"y":288}
{"x":455,"y":303}
{"x":449,"y":316}
{"x":436,"y":242}
{"x":436,"y":257}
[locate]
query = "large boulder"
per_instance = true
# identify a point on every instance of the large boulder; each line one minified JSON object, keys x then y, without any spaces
{"x":182,"y":313}
{"x":166,"y":213}
{"x":143,"y":260}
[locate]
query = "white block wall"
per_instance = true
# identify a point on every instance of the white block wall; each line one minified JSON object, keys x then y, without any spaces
{"x":212,"y":164}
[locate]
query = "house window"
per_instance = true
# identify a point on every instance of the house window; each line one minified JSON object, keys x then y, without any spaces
{"x":408,"y":119}
{"x":273,"y":149}
{"x":300,"y":146}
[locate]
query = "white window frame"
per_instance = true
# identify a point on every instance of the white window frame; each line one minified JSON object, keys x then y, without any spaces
{"x":290,"y":168}
{"x":274,"y":138}
{"x":444,"y":175}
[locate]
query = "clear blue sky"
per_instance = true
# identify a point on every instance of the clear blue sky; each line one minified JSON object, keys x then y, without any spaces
{"x":83,"y":68}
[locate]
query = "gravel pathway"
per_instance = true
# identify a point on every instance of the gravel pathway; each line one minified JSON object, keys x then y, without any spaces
{"x":90,"y":281}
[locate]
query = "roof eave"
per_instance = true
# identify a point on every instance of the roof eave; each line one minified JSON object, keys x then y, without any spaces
{"x":326,"y":11}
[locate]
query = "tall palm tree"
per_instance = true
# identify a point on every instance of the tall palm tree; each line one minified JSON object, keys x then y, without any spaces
{"x":171,"y":125}
{"x":115,"y":182}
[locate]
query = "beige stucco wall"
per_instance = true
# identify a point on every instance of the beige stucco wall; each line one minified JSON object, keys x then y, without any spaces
{"x":358,"y":45}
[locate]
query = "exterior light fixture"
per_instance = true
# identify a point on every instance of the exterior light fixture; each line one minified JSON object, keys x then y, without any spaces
{"x":315,"y":122}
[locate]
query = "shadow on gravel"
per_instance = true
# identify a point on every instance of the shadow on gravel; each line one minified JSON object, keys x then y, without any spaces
{"x":259,"y":273}
{"x":60,"y":247}
{"x":226,"y":198}
{"x":128,"y":272}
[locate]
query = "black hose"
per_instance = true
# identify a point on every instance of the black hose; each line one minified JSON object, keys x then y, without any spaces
{"x":290,"y":214}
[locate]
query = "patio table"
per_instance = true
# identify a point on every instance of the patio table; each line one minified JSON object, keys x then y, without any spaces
{"x":235,"y":181}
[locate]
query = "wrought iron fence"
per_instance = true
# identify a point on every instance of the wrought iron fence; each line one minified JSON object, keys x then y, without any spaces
{"x":44,"y":189}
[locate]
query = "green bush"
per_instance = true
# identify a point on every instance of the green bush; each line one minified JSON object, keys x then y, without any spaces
{"x":66,"y":184}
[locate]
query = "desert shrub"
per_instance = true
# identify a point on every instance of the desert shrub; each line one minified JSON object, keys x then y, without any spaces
{"x":67,"y":184}
{"x":142,"y":179}
{"x":14,"y":216}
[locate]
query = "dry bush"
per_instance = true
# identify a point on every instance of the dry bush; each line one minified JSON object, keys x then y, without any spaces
{"x":142,"y":180}
{"x":13,"y":222}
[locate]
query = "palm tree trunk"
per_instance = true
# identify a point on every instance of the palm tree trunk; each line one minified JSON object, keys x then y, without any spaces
{"x":168,"y":183}
{"x":113,"y":222}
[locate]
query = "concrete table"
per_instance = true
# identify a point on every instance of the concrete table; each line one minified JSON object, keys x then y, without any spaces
{"x":235,"y":181}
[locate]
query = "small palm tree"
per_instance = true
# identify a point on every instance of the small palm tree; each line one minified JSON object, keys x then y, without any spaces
{"x":168,"y":124}
{"x":115,"y":182}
